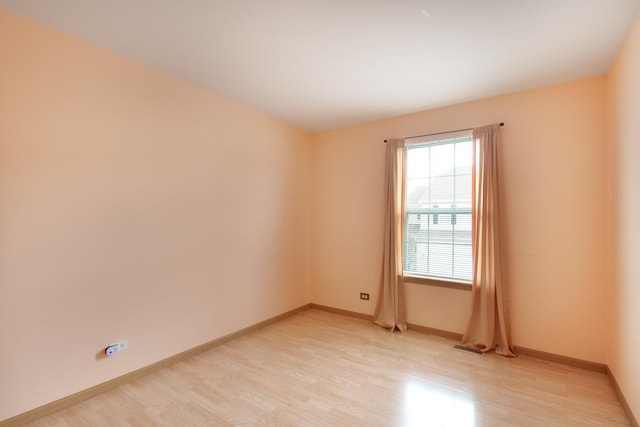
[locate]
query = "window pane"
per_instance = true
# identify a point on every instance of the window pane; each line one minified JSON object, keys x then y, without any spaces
{"x":462,"y":235}
{"x":464,"y":156}
{"x":418,"y":163}
{"x":418,"y":194}
{"x":463,"y":191}
{"x":440,"y":260}
{"x":437,"y":229}
{"x":418,"y":176}
{"x":442,"y":190}
{"x":462,"y":267}
{"x":442,"y":159}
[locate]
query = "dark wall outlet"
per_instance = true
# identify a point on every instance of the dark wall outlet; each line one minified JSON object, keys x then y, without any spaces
{"x":364,"y":296}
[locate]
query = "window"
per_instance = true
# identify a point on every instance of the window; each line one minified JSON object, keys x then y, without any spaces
{"x":437,"y":226}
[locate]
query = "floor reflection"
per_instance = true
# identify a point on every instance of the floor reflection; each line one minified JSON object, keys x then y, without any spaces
{"x":430,"y":404}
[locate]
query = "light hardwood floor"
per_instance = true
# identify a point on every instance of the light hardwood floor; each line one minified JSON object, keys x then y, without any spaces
{"x":323,"y":369}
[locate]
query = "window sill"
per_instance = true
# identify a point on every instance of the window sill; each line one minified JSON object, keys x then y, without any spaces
{"x":438,"y":281}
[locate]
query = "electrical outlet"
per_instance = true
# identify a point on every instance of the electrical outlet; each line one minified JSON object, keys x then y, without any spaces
{"x":364,"y":296}
{"x":115,"y":347}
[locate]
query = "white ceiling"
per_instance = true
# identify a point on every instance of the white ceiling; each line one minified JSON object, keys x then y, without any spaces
{"x":323,"y":64}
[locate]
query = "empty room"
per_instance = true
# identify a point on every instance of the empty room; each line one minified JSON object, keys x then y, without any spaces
{"x":319,"y":213}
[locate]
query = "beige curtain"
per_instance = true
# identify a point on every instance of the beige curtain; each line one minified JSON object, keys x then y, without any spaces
{"x":488,"y":328}
{"x":390,"y":311}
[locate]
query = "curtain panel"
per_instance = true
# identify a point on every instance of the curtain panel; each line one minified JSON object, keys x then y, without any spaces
{"x":390,"y":310}
{"x":488,"y":325}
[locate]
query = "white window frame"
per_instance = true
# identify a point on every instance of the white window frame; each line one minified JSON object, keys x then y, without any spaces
{"x":431,"y":211}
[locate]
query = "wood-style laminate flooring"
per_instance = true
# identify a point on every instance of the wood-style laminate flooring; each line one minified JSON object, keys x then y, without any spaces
{"x":322,"y":369}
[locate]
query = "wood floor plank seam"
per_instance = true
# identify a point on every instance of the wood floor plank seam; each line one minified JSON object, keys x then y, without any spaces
{"x":317,"y":365}
{"x":73,"y":399}
{"x":551,"y":357}
{"x":570,"y":361}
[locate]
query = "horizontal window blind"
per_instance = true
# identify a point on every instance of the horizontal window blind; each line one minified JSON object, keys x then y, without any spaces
{"x":437,"y":226}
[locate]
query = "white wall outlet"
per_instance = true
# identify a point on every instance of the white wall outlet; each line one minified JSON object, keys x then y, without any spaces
{"x":115,"y":347}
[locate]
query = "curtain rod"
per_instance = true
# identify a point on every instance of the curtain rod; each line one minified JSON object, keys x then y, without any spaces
{"x":440,"y":133}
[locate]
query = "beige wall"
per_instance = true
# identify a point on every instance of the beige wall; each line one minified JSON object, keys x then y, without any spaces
{"x":623,"y":264}
{"x":133,"y":206}
{"x":553,"y":203}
